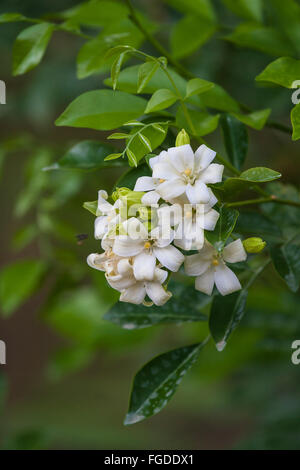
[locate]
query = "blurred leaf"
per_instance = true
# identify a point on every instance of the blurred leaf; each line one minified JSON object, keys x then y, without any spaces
{"x":161,"y":99}
{"x":196,"y":86}
{"x":30,"y":47}
{"x":256,"y":120}
{"x":190,"y":33}
{"x":184,"y":306}
{"x":157,"y":381}
{"x":286,"y":259}
{"x":11,"y":17}
{"x":226,"y":312}
{"x":66,"y":361}
{"x":128,"y":179}
{"x":18,"y":281}
{"x":96,"y":12}
{"x":235,"y":139}
{"x":33,"y":439}
{"x":249,"y":10}
{"x":262,"y":38}
{"x":24,"y":236}
{"x":295,"y":118}
{"x":102,"y":110}
{"x":278,"y":213}
{"x":287,"y":14}
{"x":198,"y":7}
{"x":224,"y":227}
{"x":218,"y":98}
{"x":283,"y":71}
{"x":86,"y":155}
{"x":203,"y":123}
{"x":146,"y":72}
{"x":251,"y":222}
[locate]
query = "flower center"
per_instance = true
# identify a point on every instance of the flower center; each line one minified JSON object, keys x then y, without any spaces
{"x":215,"y":262}
{"x":147,"y":245}
{"x":161,"y":180}
{"x":187,"y":172}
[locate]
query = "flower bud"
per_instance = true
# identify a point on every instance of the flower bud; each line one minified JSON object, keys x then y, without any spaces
{"x":182,"y":138}
{"x":128,"y":196}
{"x":254,"y":244}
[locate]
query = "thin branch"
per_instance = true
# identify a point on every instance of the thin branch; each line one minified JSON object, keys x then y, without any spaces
{"x":264,"y":200}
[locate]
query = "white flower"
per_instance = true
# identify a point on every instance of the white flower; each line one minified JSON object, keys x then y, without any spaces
{"x":119,"y":273}
{"x":210,"y":268}
{"x":181,"y":171}
{"x":146,"y":248}
{"x":110,"y":215}
{"x":190,"y":221}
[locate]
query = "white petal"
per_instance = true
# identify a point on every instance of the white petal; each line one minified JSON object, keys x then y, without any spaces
{"x":171,"y":189}
{"x":101,"y":226}
{"x":135,"y":229}
{"x":159,"y":158}
{"x":210,"y":219}
{"x":212,"y":174}
{"x":160,"y":275}
{"x":151,"y":198}
{"x":120,"y":282}
{"x":124,"y":266}
{"x":157,"y":293}
{"x":225,"y":279}
{"x":198,"y":193}
{"x":134,"y":294}
{"x":182,"y":157}
{"x":144,"y":266}
{"x":94,"y":260}
{"x":163,"y":235}
{"x":234,"y":252}
{"x":203,"y":157}
{"x":103,"y":205}
{"x":172,"y":214}
{"x":195,"y":265}
{"x":212,"y":201}
{"x":205,"y":282}
{"x":126,"y":246}
{"x":165,"y":171}
{"x":170,"y":257}
{"x":145,"y":183}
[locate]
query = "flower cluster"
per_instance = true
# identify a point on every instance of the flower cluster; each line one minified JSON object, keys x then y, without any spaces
{"x":147,"y":233}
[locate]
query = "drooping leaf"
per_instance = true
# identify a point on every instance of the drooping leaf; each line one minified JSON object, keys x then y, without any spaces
{"x":190,"y":33}
{"x":283,"y":71}
{"x":256,"y":120}
{"x":30,"y":47}
{"x":286,"y":260}
{"x":226,"y":313}
{"x":157,"y":381}
{"x":17,"y":282}
{"x":161,"y":99}
{"x":184,"y":306}
{"x":196,"y":86}
{"x":102,"y":110}
{"x":262,"y":38}
{"x":235,"y":139}
{"x":224,"y":227}
{"x":218,"y":98}
{"x":86,"y":155}
{"x":203,"y":123}
{"x":249,"y":10}
{"x":145,"y":73}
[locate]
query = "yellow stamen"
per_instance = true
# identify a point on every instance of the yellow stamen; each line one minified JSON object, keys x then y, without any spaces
{"x":161,"y":180}
{"x":189,"y":214}
{"x":187,"y":172}
{"x":215,"y":262}
{"x":147,"y":245}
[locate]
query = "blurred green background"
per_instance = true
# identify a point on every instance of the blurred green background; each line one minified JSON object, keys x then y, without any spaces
{"x":68,"y":374}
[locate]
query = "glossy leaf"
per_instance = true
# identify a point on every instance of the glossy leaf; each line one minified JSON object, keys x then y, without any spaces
{"x":249,"y":10}
{"x":184,"y":306}
{"x":196,"y":86}
{"x":256,"y":120}
{"x":190,"y":33}
{"x":30,"y":47}
{"x":128,"y":179}
{"x":203,"y":123}
{"x":226,"y":313}
{"x":295,"y":118}
{"x":286,"y":259}
{"x":252,"y":222}
{"x":218,"y":98}
{"x":283,"y":71}
{"x":161,"y":99}
{"x":235,"y":139}
{"x":145,"y":73}
{"x":17,"y":283}
{"x":224,"y":227}
{"x":260,"y":174}
{"x":147,"y":139}
{"x":157,"y":381}
{"x":102,"y":110}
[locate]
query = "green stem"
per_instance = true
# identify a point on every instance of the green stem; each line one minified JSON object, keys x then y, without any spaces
{"x":264,"y":200}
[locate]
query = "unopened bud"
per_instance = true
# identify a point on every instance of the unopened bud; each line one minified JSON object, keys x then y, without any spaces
{"x":182,"y":138}
{"x":128,"y":196}
{"x":254,"y":244}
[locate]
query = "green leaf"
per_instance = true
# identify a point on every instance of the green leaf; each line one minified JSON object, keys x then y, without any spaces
{"x":102,"y":110}
{"x":96,"y":12}
{"x":161,"y":99}
{"x":116,"y":68}
{"x":157,"y":381}
{"x":224,"y":228}
{"x":18,"y":281}
{"x":154,"y":134}
{"x":145,"y":73}
{"x":256,"y":120}
{"x":226,"y":313}
{"x":128,"y":179}
{"x":190,"y":33}
{"x":218,"y":98}
{"x":287,"y":19}
{"x":114,"y":156}
{"x":283,"y":71}
{"x":250,"y":222}
{"x":86,"y":155}
{"x":278,"y":213}
{"x":91,"y":206}
{"x":11,"y":17}
{"x":118,"y":135}
{"x":260,"y":174}
{"x":235,"y":139}
{"x":286,"y":260}
{"x":203,"y":123}
{"x":249,"y":10}
{"x":262,"y":38}
{"x":196,"y":86}
{"x":30,"y":47}
{"x":201,"y":8}
{"x":295,"y":118}
{"x":131,"y":157}
{"x":184,"y":306}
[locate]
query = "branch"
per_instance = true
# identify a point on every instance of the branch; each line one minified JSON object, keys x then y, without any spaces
{"x":264,"y":200}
